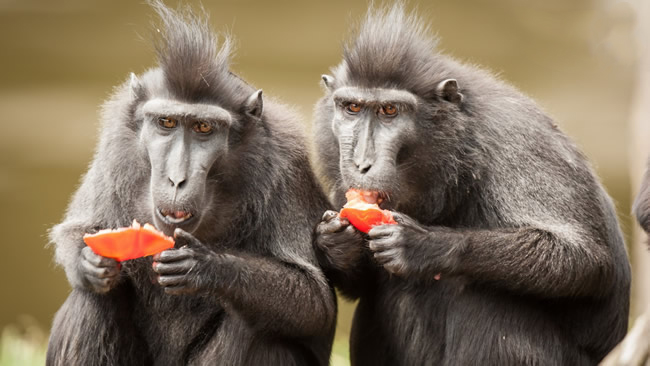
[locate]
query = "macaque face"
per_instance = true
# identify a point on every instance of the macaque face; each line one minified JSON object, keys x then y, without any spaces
{"x":373,"y":127}
{"x":183,"y":142}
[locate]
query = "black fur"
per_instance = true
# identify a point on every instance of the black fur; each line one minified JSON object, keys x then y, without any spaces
{"x":242,"y":287}
{"x":641,"y":206}
{"x":489,"y":193}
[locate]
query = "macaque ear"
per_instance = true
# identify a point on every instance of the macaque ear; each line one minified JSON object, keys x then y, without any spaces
{"x":328,"y":82}
{"x":448,"y":90}
{"x":255,"y":104}
{"x":137,"y":90}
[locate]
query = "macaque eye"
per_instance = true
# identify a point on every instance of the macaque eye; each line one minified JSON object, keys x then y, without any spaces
{"x":167,"y":122}
{"x":353,"y":108}
{"x":202,"y":127}
{"x":388,"y":110}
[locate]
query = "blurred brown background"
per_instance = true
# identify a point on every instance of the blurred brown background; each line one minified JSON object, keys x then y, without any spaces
{"x":60,"y":59}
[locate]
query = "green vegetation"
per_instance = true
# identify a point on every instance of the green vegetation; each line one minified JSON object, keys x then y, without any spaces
{"x":340,"y":353}
{"x":23,"y":345}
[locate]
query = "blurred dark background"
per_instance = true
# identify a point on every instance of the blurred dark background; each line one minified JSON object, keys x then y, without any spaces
{"x":60,"y":59}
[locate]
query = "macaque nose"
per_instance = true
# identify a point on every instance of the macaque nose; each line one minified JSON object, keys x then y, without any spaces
{"x":177,"y":183}
{"x":364,"y":167}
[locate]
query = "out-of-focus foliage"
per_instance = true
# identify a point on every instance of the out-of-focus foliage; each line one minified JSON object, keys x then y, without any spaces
{"x":340,"y":353}
{"x":23,"y":345}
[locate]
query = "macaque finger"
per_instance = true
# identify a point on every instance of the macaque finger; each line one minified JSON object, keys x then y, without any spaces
{"x":382,"y":231}
{"x":99,"y":272}
{"x":169,"y":280}
{"x":97,"y":260}
{"x":406,"y":221}
{"x":329,"y":215}
{"x":179,"y":267}
{"x":351,"y":231}
{"x":381,"y":244}
{"x":178,"y":290}
{"x":383,"y":258}
{"x":185,"y":239}
{"x":101,"y":285}
{"x":333,"y":226}
{"x":173,"y":255}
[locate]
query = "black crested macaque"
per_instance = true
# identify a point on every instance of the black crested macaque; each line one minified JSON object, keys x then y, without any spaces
{"x":642,"y":202}
{"x":634,"y":350}
{"x":487,"y":192}
{"x":195,"y":150}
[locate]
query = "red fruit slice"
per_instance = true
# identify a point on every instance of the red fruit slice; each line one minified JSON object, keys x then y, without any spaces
{"x":364,"y":215}
{"x":130,"y":242}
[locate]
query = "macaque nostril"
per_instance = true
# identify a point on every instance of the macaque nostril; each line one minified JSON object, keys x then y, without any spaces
{"x":180,"y":184}
{"x":364,"y":168}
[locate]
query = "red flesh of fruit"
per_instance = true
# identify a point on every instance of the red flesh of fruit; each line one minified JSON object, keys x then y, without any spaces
{"x":130,"y":242}
{"x":362,"y":214}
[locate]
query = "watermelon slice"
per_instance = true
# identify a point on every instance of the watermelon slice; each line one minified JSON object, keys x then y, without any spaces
{"x":130,"y":242}
{"x":363,"y":215}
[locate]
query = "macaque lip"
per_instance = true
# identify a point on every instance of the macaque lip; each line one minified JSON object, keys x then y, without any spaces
{"x":176,"y":218}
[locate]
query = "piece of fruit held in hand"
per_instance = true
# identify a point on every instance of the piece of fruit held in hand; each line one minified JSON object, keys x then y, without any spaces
{"x":363,"y":212}
{"x":130,"y":242}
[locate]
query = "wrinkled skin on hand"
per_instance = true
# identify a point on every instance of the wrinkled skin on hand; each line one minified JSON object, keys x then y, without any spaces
{"x":410,"y":249}
{"x":340,"y":244}
{"x":98,"y":274}
{"x":180,"y":270}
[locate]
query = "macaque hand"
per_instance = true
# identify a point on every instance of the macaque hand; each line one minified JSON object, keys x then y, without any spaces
{"x":408,"y":248}
{"x":181,"y":271}
{"x":99,"y":274}
{"x":338,"y":242}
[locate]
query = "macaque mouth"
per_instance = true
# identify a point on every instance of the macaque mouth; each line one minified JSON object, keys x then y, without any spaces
{"x":174,"y":217}
{"x":378,"y":197}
